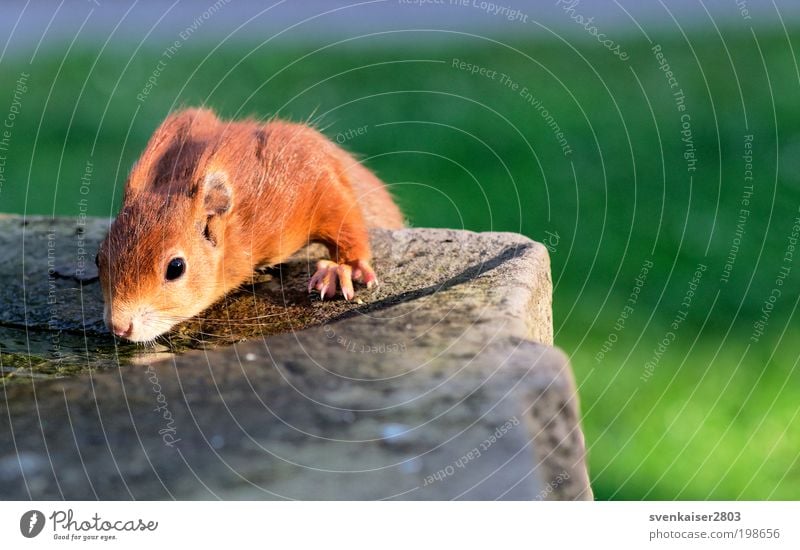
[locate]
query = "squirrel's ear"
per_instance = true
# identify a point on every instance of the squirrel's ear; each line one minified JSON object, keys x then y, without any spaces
{"x":169,"y":139}
{"x":217,"y":193}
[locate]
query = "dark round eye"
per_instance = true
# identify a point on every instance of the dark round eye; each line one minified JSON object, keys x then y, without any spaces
{"x":175,"y":268}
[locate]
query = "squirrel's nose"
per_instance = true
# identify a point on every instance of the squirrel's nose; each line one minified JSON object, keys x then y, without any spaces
{"x":123,"y":330}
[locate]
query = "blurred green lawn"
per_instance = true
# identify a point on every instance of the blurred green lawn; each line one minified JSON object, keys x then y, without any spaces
{"x":718,"y":418}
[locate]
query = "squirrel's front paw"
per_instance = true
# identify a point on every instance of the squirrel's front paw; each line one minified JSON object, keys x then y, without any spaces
{"x":330,"y":274}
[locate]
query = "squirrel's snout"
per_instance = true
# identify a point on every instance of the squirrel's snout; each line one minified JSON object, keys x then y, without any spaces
{"x":118,"y":322}
{"x":138,"y":323}
{"x":122,"y":329}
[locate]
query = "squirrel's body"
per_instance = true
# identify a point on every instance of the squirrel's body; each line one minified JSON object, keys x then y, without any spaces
{"x":211,"y":200}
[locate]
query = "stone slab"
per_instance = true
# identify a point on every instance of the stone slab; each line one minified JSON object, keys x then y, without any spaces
{"x":440,"y":384}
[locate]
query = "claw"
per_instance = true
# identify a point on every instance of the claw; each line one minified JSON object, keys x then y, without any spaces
{"x":344,"y":273}
{"x":330,"y":275}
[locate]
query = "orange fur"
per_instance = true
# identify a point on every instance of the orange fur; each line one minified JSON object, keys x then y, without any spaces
{"x":228,"y":197}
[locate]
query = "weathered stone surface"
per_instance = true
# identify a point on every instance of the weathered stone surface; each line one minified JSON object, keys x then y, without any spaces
{"x":39,"y":288}
{"x":438,"y":385}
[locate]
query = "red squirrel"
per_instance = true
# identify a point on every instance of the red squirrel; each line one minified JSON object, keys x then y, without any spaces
{"x":209,"y":201}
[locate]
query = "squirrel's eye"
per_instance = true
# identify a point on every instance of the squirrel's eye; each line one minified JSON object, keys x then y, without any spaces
{"x":175,"y":268}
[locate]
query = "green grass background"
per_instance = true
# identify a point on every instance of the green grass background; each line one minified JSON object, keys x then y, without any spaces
{"x":719,"y":416}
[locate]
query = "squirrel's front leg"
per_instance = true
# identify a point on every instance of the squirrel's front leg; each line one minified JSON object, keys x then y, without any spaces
{"x":330,"y":274}
{"x":344,"y":232}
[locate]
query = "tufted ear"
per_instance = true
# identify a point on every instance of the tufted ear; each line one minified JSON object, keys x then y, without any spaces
{"x":217,"y":193}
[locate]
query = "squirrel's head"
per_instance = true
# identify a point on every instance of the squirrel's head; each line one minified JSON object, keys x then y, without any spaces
{"x":162,"y":260}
